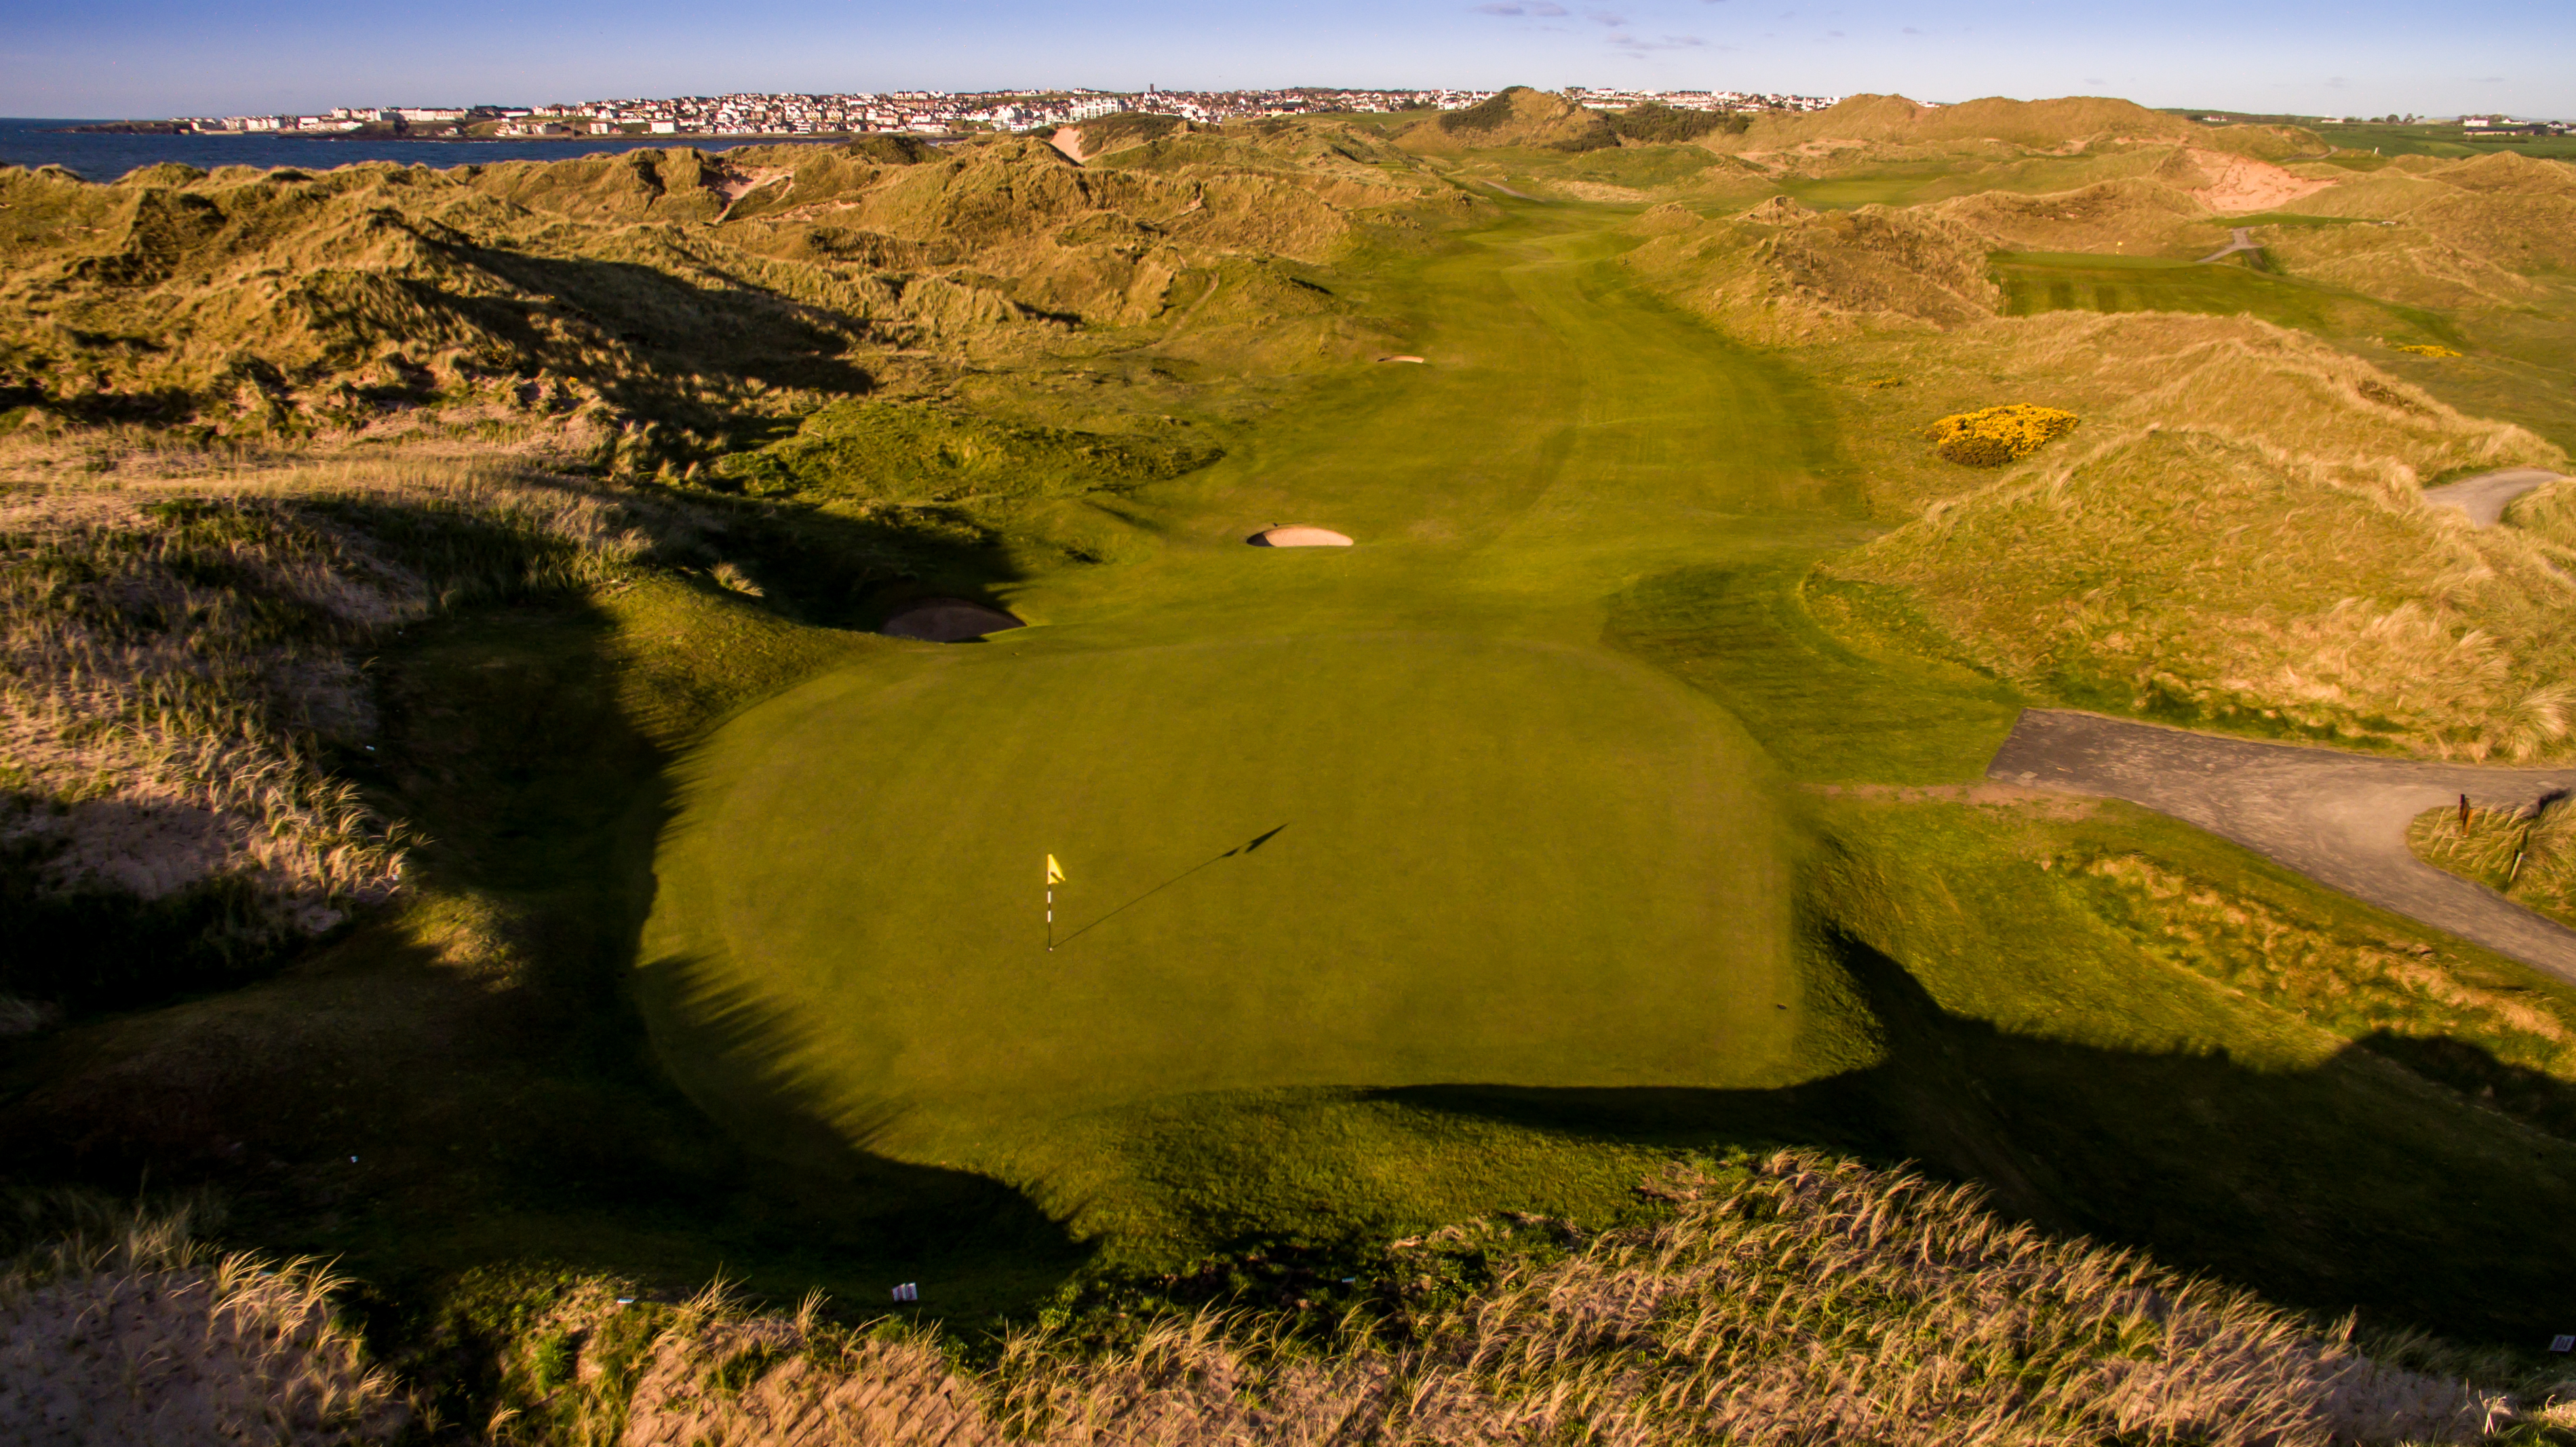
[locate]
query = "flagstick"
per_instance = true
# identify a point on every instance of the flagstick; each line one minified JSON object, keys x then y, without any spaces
{"x":1050,"y":919}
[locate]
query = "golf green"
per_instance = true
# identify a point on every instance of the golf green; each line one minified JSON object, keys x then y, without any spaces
{"x":1363,"y":860}
{"x":1333,"y":820}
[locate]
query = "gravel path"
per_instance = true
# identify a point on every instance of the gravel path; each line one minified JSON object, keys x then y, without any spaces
{"x":2244,"y":242}
{"x":2338,"y":818}
{"x":2484,"y":496}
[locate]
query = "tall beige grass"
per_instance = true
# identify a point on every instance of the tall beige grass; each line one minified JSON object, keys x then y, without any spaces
{"x":1796,"y":1300}
{"x":2528,"y":853}
{"x":140,"y":1335}
{"x":183,"y":656}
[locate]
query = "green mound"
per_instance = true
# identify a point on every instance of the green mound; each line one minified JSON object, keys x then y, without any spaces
{"x":1655,"y":124}
{"x":1517,"y":116}
{"x":877,"y":450}
{"x":1374,"y":861}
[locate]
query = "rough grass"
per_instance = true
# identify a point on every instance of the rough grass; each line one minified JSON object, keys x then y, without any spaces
{"x":1783,"y":273}
{"x":2239,"y":541}
{"x":185,"y":681}
{"x":1790,"y":1298}
{"x":1515,"y":117}
{"x":134,"y":1332}
{"x":2527,"y":855}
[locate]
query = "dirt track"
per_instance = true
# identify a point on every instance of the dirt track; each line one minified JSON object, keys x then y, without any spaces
{"x":2338,"y":818}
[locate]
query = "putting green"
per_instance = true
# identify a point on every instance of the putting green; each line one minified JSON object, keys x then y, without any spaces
{"x":1294,"y":861}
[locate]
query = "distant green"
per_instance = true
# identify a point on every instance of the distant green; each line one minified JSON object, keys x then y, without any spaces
{"x":2041,"y":281}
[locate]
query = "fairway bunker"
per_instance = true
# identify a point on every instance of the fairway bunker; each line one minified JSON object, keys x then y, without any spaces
{"x":947,"y":620}
{"x":1416,"y":360}
{"x":1298,"y":537}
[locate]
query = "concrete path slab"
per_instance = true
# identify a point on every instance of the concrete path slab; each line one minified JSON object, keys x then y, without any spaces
{"x":2337,"y":818}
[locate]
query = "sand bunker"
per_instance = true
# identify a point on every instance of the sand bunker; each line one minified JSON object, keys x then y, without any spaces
{"x":947,"y":620}
{"x":2239,"y":184}
{"x":1298,"y":537}
{"x":1400,"y":359}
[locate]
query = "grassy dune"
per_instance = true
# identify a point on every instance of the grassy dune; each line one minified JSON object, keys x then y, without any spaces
{"x":1612,"y":810}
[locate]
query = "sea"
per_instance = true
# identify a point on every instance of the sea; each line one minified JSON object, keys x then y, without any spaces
{"x":99,"y":156}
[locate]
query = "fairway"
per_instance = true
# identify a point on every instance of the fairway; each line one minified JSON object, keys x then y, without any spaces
{"x":1345,"y":818}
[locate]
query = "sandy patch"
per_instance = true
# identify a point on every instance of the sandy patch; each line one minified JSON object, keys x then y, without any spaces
{"x":148,"y":848}
{"x":2239,"y":184}
{"x":948,"y":620}
{"x":742,"y":183}
{"x":1600,"y":191}
{"x":1298,"y":537}
{"x":1068,"y":139}
{"x":1402,"y":359}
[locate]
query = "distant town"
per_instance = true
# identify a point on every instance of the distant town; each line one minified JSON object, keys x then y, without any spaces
{"x":919,"y":112}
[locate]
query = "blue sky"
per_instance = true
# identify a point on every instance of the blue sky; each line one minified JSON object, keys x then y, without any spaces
{"x":2357,"y":57}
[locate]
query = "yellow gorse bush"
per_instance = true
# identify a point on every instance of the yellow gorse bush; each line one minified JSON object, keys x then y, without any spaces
{"x":2427,"y":350}
{"x":1997,"y":435}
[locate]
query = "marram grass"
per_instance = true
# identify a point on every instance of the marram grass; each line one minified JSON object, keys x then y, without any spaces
{"x":1794,"y":1299}
{"x":138,"y":1333}
{"x":2526,"y":854}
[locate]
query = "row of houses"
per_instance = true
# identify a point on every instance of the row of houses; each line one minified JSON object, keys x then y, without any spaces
{"x":1704,"y":100}
{"x":930,"y":112}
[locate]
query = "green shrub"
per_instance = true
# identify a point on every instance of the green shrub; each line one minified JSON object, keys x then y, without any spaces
{"x":1653,"y":124}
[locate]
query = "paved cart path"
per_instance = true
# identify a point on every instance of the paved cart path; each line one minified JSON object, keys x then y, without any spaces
{"x":2485,"y":496}
{"x":2338,"y":818}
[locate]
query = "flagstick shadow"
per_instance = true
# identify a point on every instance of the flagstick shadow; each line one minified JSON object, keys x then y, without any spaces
{"x":1246,"y":848}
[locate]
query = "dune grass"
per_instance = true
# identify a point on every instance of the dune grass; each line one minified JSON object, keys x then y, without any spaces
{"x":1918,"y":1317}
{"x":130,"y":1330}
{"x":2528,"y":855}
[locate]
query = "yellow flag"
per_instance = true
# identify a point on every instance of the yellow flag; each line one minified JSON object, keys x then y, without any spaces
{"x":1055,"y":871}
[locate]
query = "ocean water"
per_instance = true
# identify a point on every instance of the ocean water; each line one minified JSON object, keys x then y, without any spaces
{"x":31,"y":142}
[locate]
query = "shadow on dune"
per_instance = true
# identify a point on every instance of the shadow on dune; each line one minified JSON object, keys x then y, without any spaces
{"x":2349,"y":1186}
{"x":469,"y":1083}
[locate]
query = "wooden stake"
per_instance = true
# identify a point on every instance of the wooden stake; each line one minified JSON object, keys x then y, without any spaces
{"x":2464,"y":816}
